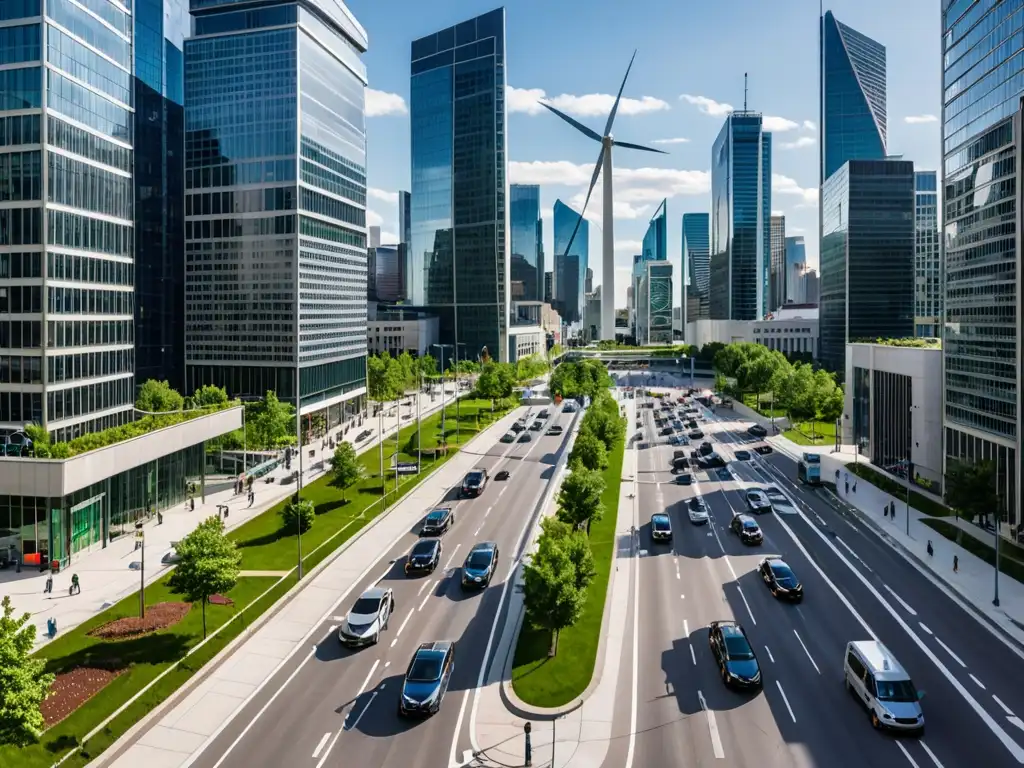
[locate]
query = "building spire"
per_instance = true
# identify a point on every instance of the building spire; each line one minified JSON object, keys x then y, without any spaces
{"x":744,"y":91}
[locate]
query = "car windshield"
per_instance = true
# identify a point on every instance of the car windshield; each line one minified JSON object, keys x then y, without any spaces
{"x":436,"y":517}
{"x":784,"y":575}
{"x":366,"y":605}
{"x":426,"y":668}
{"x":737,"y":648}
{"x":660,"y":523}
{"x":474,"y":478}
{"x":750,"y":525}
{"x":696,"y":504}
{"x":896,"y":690}
{"x":423,"y":548}
{"x":479,"y":560}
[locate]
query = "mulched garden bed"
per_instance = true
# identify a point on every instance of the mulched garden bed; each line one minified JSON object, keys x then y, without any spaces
{"x":220,"y":600}
{"x":72,"y":689}
{"x":158,"y":616}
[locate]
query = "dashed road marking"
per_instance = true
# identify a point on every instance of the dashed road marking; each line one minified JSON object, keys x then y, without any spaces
{"x":977,"y":682}
{"x":949,"y":650}
{"x":770,"y":654}
{"x":786,"y":701}
{"x":813,"y":662}
{"x":899,"y":599}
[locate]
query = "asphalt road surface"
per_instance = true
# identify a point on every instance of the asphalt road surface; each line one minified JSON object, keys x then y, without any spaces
{"x":335,"y":706}
{"x":856,"y":588}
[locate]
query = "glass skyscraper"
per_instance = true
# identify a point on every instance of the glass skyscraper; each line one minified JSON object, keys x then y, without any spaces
{"x":570,"y":268}
{"x":796,"y":261}
{"x":161,"y":27}
{"x":275,"y":175}
{"x":696,"y":266}
{"x":741,"y":204}
{"x":527,"y":261}
{"x":927,"y":261}
{"x":654,"y":302}
{"x":67,"y":217}
{"x":655,"y":245}
{"x":458,"y":263}
{"x":852,"y":99}
{"x":777,"y":251}
{"x":982,"y":89}
{"x":867,"y":256}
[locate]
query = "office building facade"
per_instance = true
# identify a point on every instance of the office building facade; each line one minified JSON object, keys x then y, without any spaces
{"x":741,"y":175}
{"x":927,"y":259}
{"x":67,"y":218}
{"x":777,"y":269}
{"x":852,"y":119}
{"x":570,"y":266}
{"x":812,"y":287}
{"x":982,"y":338}
{"x":549,"y":278}
{"x":654,"y":304}
{"x":695,"y":267}
{"x":387,"y":274}
{"x":458,"y":263}
{"x":796,"y":261}
{"x":653,"y":248}
{"x":404,"y":217}
{"x":527,"y":252}
{"x":588,"y":284}
{"x":867,"y":256}
{"x":275,"y":231}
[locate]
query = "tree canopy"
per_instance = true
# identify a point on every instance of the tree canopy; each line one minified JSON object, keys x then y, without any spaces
{"x":24,"y":683}
{"x":158,"y":397}
{"x":579,"y":499}
{"x":346,"y":470}
{"x":208,"y":563}
{"x":970,"y":488}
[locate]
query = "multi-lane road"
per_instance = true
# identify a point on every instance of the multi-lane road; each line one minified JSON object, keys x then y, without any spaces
{"x":856,"y":588}
{"x":332,"y":706}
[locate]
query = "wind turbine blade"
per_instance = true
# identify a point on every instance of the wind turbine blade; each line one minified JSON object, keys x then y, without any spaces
{"x":574,"y":123}
{"x":615,"y":106}
{"x":593,"y":183}
{"x":640,"y":147}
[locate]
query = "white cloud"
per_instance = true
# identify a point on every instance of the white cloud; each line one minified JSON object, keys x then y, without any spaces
{"x":778,"y":124}
{"x":527,"y":101}
{"x":629,"y":246}
{"x":784,"y":185}
{"x":383,"y":195}
{"x":800,"y":143}
{"x":809,"y":125}
{"x":708,"y":106}
{"x":778,"y":213}
{"x":671,"y":141}
{"x":795,"y":230}
{"x":381,"y":103}
{"x":388,"y":238}
{"x":920,"y":119}
{"x":373,"y":219}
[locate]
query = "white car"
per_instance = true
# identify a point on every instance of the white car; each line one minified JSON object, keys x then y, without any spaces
{"x":368,"y":617}
{"x":697,"y":510}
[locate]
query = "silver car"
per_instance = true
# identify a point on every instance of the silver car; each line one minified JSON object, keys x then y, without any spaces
{"x":874,"y":677}
{"x":368,"y":618}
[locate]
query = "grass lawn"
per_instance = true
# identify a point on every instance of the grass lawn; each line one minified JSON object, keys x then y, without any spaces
{"x":764,"y":408}
{"x":264,"y":547}
{"x":547,"y":682}
{"x":812,"y":433}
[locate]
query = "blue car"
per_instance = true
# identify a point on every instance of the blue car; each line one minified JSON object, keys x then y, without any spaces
{"x":481,"y":562}
{"x":427,"y":679}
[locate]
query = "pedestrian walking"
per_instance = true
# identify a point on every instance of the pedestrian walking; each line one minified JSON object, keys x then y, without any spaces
{"x":930,"y":550}
{"x":48,"y":589}
{"x":854,"y":486}
{"x":847,"y":487}
{"x":192,"y":504}
{"x":956,"y":564}
{"x":252,"y":497}
{"x":76,"y":586}
{"x":885,"y":511}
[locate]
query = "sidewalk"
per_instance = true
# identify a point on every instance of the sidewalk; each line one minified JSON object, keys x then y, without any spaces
{"x":177,"y":730}
{"x":110,"y":574}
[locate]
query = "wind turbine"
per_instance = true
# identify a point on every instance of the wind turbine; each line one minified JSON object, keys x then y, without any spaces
{"x":604,"y":166}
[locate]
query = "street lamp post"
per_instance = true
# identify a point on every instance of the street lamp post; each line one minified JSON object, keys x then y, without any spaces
{"x":908,"y":467}
{"x":298,"y":479}
{"x":444,"y":406}
{"x":999,"y":516}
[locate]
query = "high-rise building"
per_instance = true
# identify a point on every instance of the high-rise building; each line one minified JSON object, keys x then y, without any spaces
{"x":811,"y":287}
{"x":388,"y":276}
{"x":927,"y":261}
{"x":696,"y":266}
{"x":373,"y":237}
{"x":275,"y":230}
{"x":526,"y":235}
{"x":570,"y":268}
{"x":548,"y":280}
{"x":741,"y":204}
{"x":161,"y":27}
{"x":777,"y":251}
{"x":982,"y":340}
{"x":589,"y":282}
{"x":796,"y":256}
{"x":654,"y":248}
{"x":654,"y":302}
{"x":458,"y":263}
{"x":852,"y":100}
{"x":867,"y":256}
{"x":404,"y":217}
{"x":67,"y":218}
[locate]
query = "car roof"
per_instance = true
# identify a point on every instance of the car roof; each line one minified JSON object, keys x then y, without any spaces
{"x":373,"y":593}
{"x":438,"y":645}
{"x":746,"y":519}
{"x":660,"y":516}
{"x":880,"y":660}
{"x":777,"y":562}
{"x":484,"y":546}
{"x":424,"y":544}
{"x":439,"y":512}
{"x":753,"y":492}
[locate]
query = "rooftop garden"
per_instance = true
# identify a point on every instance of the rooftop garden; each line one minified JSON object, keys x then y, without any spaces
{"x":911,"y":341}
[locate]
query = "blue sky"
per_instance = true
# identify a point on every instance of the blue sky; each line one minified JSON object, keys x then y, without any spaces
{"x":689,"y":68}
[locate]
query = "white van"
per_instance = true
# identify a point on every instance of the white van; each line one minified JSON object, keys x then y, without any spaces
{"x":883,"y":687}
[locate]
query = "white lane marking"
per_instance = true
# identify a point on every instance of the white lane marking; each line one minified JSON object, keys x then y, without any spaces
{"x":900,"y":600}
{"x":477,"y":531}
{"x":361,"y":713}
{"x":488,"y":511}
{"x":322,"y":760}
{"x":997,"y":730}
{"x":398,"y":634}
{"x":925,"y":628}
{"x":740,"y":590}
{"x":678,"y":576}
{"x":977,"y":682}
{"x":686,"y":628}
{"x":931,"y":754}
{"x":682,"y":597}
{"x":452,"y":558}
{"x":716,"y":739}
{"x":949,"y":650}
{"x":906,"y":754}
{"x":366,"y":682}
{"x":693,"y":656}
{"x":1016,"y":721}
{"x":383,"y":576}
{"x":1005,"y":708}
{"x":800,"y":640}
{"x":427,"y":596}
{"x":321,"y":745}
{"x":786,"y":701}
{"x":423,"y":586}
{"x":770,"y":654}
{"x":458,"y":733}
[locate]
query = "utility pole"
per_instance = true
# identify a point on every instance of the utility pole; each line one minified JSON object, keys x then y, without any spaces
{"x":140,"y":535}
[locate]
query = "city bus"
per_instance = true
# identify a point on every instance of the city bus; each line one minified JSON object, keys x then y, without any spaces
{"x":809,"y":469}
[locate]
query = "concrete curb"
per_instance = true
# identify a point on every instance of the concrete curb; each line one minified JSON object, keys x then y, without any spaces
{"x":128,"y":737}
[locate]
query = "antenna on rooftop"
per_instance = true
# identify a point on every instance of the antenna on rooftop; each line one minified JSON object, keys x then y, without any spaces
{"x":744,"y":91}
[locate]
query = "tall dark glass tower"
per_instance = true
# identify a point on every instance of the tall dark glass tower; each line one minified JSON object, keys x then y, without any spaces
{"x":696,"y":267}
{"x":161,"y":27}
{"x":458,"y":263}
{"x":852,"y":103}
{"x":527,"y":261}
{"x":570,"y":269}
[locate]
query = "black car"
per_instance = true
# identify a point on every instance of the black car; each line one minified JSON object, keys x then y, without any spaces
{"x":696,"y":434}
{"x":424,"y":557}
{"x":517,"y":427}
{"x":747,"y":529}
{"x":480,"y":565}
{"x":780,"y":579}
{"x":724,"y":474}
{"x":545,"y":414}
{"x":661,"y":527}
{"x":742,"y":455}
{"x":691,"y":424}
{"x":525,"y":437}
{"x":737,"y":662}
{"x":363,"y":435}
{"x":665,"y":431}
{"x":426,"y":680}
{"x":711,"y":461}
{"x":537,"y":426}
{"x":684,"y":479}
{"x":474,"y":482}
{"x":437,"y":522}
{"x":554,"y":430}
{"x":706,"y":448}
{"x":757,"y":502}
{"x":503,"y":475}
{"x":756,"y":430}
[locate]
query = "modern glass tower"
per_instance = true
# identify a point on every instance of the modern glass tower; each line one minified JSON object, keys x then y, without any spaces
{"x":741,"y":204}
{"x":275,"y":230}
{"x":867,"y":256}
{"x":852,"y":99}
{"x":655,"y":245}
{"x":161,"y":27}
{"x":527,"y":262}
{"x":983,"y":337}
{"x":777,"y":250}
{"x":796,"y":262}
{"x":927,"y":262}
{"x":67,"y":220}
{"x":458,"y":261}
{"x":696,"y":266}
{"x":570,"y":269}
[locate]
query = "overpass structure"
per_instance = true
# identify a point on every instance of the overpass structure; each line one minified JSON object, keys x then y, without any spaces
{"x":643,"y":358}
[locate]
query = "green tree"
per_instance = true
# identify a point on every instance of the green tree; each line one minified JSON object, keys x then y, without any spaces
{"x":589,"y":451}
{"x":408,"y":369}
{"x":550,"y":595}
{"x":797,"y":394}
{"x":971,"y":489}
{"x":496,"y":380}
{"x":832,"y":406}
{"x":377,"y":387}
{"x":721,"y":383}
{"x":209,"y":395}
{"x":208,"y":564}
{"x":158,"y":397}
{"x":576,"y":545}
{"x":297,"y":515}
{"x":346,"y":470}
{"x":428,"y":365}
{"x":24,"y":683}
{"x":822,"y":391}
{"x":579,"y":499}
{"x":602,"y":419}
{"x":710,"y":351}
{"x":269,"y":422}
